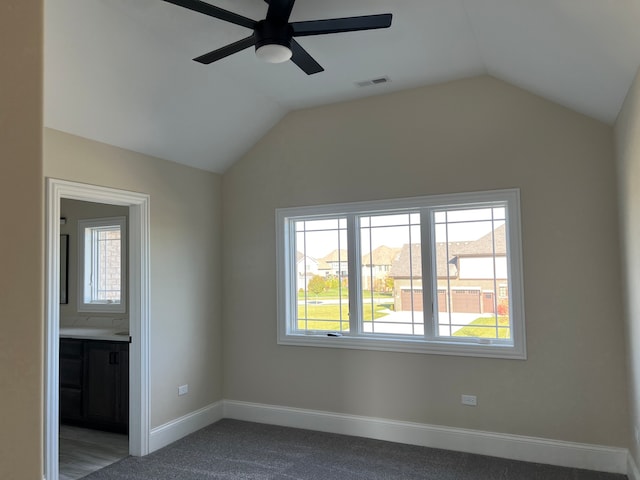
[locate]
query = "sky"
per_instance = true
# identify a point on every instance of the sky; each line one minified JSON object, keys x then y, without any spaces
{"x":324,"y":236}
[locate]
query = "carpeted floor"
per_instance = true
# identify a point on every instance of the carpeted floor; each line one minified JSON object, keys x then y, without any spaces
{"x":235,"y":450}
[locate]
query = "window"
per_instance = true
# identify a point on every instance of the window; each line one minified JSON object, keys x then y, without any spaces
{"x":416,"y":275}
{"x":101,"y":265}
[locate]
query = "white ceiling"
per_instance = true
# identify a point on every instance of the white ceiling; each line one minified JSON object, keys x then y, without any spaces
{"x":121,"y":71}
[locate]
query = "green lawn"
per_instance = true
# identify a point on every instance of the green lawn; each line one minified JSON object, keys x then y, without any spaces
{"x":334,"y":293}
{"x":327,"y":317}
{"x":485,"y":327}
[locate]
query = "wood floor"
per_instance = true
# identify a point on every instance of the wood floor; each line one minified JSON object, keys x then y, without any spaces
{"x":83,"y":451}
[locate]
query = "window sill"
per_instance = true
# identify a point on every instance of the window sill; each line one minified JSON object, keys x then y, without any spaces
{"x":102,"y":308}
{"x":466,"y":349}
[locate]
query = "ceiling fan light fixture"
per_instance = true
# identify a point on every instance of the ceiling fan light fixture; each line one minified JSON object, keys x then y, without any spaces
{"x":273,"y":53}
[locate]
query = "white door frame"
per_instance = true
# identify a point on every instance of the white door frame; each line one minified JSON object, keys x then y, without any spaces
{"x":138,"y":203}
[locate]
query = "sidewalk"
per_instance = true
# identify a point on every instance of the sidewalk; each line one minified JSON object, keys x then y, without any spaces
{"x":412,"y":323}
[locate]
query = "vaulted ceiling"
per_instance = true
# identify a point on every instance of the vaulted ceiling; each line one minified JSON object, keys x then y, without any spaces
{"x":121,"y":71}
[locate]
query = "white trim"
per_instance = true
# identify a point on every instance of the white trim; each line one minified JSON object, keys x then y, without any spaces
{"x":181,"y":427}
{"x":632,"y":469}
{"x":139,"y":307}
{"x":138,"y":204}
{"x":52,"y":333}
{"x":515,"y":447}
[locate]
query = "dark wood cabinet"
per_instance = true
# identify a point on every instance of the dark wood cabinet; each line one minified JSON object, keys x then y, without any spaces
{"x":94,"y":384}
{"x":71,"y":380}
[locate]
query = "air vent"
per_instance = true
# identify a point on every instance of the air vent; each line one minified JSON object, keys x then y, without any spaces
{"x":373,"y":81}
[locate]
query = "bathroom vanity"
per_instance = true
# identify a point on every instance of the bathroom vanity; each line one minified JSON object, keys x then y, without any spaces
{"x":94,"y":379}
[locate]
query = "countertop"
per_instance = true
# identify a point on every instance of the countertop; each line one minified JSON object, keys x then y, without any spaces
{"x":113,"y":334}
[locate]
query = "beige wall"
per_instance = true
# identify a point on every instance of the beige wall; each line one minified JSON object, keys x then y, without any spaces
{"x":21,"y":240}
{"x":469,"y":135}
{"x":627,"y":140}
{"x":185,"y":262}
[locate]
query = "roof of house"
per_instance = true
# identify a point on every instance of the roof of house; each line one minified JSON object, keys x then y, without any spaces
{"x":483,"y":245}
{"x":300,"y":256}
{"x":409,"y":261}
{"x":382,"y":255}
{"x":335,"y":256}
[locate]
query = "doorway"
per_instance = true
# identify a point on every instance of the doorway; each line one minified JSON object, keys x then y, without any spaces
{"x":138,"y":294}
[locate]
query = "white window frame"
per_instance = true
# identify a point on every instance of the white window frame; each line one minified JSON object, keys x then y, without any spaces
{"x":98,"y":306}
{"x":430,"y":343}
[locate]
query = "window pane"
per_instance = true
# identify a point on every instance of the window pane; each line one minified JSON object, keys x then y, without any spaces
{"x":317,"y":225}
{"x":468,"y":215}
{"x":472,"y":270}
{"x":108,"y":265}
{"x":322,"y":275}
{"x":388,"y":220}
{"x":391,"y":275}
{"x":499,"y":213}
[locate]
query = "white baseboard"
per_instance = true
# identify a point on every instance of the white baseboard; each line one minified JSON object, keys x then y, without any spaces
{"x":181,"y":427}
{"x":515,"y":447}
{"x":632,"y":469}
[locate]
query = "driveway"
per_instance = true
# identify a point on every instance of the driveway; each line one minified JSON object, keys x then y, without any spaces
{"x":411,"y":323}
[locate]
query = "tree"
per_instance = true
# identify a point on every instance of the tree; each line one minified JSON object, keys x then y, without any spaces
{"x":332,"y":282}
{"x":317,"y":285}
{"x":383,"y":285}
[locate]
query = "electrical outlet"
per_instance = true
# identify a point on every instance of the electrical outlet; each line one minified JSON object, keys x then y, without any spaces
{"x":183,"y":389}
{"x":470,"y":400}
{"x":637,"y":436}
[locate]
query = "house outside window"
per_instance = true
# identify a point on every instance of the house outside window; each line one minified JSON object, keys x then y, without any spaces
{"x":469,"y":245}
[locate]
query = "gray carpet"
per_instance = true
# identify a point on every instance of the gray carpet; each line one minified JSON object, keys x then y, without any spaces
{"x":235,"y":450}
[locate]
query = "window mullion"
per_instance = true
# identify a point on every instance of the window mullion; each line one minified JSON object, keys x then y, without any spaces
{"x":354,"y":275}
{"x":290,"y":276}
{"x":429,"y":279}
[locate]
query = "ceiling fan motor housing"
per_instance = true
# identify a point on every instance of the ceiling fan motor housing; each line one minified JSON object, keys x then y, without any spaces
{"x":272,"y":33}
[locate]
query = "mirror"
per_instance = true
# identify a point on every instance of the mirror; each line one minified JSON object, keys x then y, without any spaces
{"x":64,"y":268}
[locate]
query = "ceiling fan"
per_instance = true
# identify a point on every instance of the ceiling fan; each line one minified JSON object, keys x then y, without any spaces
{"x":273,"y":36}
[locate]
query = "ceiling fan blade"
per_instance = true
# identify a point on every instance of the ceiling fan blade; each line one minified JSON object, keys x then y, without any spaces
{"x":337,"y":25}
{"x":216,"y":12}
{"x":303,"y":60}
{"x":279,"y":10}
{"x":211,"y":57}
